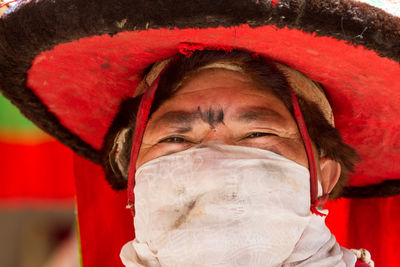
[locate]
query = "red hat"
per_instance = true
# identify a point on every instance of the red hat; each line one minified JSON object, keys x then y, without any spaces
{"x":68,"y":64}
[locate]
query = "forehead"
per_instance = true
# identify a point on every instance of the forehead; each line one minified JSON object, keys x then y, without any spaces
{"x":222,"y":89}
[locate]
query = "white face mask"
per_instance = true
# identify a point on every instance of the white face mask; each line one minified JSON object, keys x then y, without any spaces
{"x":220,"y":205}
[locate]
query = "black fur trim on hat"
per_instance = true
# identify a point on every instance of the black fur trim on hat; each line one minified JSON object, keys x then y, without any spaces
{"x":385,"y":189}
{"x":38,"y":26}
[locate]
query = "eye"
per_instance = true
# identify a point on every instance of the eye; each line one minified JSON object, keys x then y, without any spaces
{"x":259,"y":134}
{"x":174,"y":139}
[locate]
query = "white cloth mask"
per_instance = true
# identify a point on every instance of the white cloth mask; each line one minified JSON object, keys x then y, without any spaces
{"x":221,"y":205}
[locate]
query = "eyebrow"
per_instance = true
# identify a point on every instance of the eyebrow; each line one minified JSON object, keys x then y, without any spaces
{"x":180,"y":119}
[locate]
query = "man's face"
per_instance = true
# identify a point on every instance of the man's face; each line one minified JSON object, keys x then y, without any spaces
{"x":226,"y":106}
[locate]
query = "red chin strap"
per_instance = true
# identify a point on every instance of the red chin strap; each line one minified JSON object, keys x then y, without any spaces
{"x":140,"y":127}
{"x":301,"y":124}
{"x":143,"y":117}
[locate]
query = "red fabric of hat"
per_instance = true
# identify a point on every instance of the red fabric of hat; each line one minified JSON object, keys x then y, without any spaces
{"x":108,"y":69}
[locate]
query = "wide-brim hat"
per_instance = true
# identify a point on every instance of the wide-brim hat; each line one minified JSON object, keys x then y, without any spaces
{"x":67,"y":65}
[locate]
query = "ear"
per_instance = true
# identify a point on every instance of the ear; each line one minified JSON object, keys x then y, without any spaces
{"x":330,"y":173}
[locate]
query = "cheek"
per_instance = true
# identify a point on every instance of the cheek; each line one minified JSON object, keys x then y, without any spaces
{"x":292,"y":149}
{"x":148,"y":152}
{"x":295,"y":151}
{"x":144,"y":156}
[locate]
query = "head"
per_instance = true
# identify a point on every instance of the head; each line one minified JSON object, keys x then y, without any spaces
{"x":246,"y":102}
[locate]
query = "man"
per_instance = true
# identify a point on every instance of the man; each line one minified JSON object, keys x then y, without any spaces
{"x":201,"y":197}
{"x":71,"y":75}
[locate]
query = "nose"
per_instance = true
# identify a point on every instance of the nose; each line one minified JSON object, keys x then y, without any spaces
{"x":219,"y":133}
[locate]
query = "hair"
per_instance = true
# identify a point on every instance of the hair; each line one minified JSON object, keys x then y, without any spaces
{"x":264,"y":74}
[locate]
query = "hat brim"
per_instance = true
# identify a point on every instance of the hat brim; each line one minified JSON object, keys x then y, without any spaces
{"x":76,"y":81}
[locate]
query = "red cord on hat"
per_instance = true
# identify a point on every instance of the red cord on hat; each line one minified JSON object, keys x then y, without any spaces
{"x":274,"y":2}
{"x":9,"y":2}
{"x":187,"y":49}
